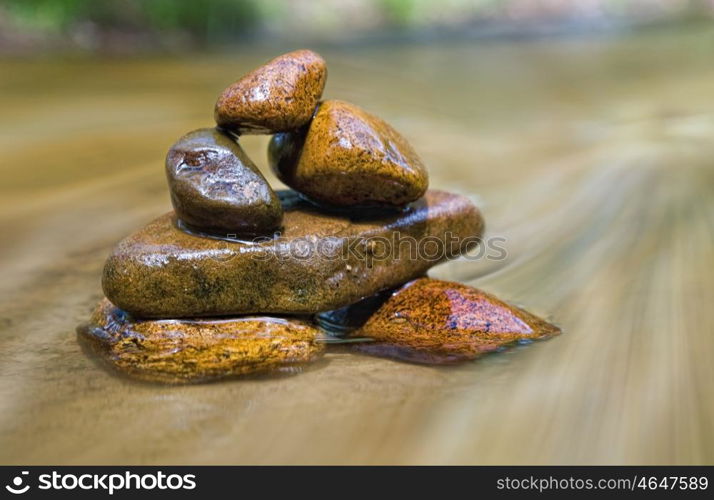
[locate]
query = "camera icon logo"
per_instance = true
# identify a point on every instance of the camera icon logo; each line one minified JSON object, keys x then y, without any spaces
{"x":16,"y":488}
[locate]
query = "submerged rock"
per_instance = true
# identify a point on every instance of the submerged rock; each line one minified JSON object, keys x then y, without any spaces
{"x":440,"y":322}
{"x":320,"y":261}
{"x":280,"y":95}
{"x":216,"y":187}
{"x":348,"y":157}
{"x":184,"y":351}
{"x":345,"y":320}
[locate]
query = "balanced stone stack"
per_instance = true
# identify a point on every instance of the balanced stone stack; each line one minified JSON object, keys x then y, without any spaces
{"x":241,"y":279}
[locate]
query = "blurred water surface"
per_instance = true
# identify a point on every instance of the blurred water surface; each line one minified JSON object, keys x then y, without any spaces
{"x":593,"y":158}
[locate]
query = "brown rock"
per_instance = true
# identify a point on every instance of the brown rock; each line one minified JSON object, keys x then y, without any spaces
{"x":216,"y":187}
{"x":183,"y":351}
{"x":320,"y":261}
{"x":439,"y":322}
{"x":348,"y":157}
{"x":280,"y":95}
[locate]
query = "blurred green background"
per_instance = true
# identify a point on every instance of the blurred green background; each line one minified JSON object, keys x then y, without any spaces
{"x":153,"y":25}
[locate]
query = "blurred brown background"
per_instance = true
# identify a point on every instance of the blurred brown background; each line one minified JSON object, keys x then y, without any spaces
{"x":583,"y":129}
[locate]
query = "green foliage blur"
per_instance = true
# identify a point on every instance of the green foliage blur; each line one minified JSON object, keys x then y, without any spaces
{"x":201,"y":18}
{"x":159,"y":23}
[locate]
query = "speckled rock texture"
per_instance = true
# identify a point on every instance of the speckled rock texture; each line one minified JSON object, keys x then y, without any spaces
{"x":348,"y":157}
{"x":320,"y":261}
{"x":280,"y":95}
{"x":188,"y":351}
{"x":440,"y":322}
{"x":215,"y":186}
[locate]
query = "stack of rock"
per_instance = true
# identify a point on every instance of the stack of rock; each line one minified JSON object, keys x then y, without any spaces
{"x":241,"y":279}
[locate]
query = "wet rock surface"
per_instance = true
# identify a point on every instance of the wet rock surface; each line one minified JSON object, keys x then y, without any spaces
{"x":441,"y":322}
{"x":345,"y":320}
{"x":349,"y":157}
{"x":320,"y":261}
{"x":214,"y":186}
{"x":188,"y":351}
{"x":359,"y":223}
{"x":280,"y":95}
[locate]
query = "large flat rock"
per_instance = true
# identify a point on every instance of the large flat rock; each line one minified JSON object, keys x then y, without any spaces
{"x":319,"y":261}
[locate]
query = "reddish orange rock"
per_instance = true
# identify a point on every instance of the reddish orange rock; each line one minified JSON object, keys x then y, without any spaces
{"x":280,"y":95}
{"x":177,"y":351}
{"x":439,"y":322}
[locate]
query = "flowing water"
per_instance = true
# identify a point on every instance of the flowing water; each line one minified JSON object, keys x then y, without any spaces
{"x":592,"y":159}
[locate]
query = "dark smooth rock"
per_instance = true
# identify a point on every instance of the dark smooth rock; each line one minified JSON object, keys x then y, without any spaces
{"x":320,"y":261}
{"x":280,"y":95}
{"x":439,"y":322}
{"x":217,"y":188}
{"x":184,"y":351}
{"x":348,"y":157}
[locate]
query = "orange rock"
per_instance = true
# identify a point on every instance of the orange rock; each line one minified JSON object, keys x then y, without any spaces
{"x":280,"y":95}
{"x":348,"y":157}
{"x":439,"y":322}
{"x":183,"y":351}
